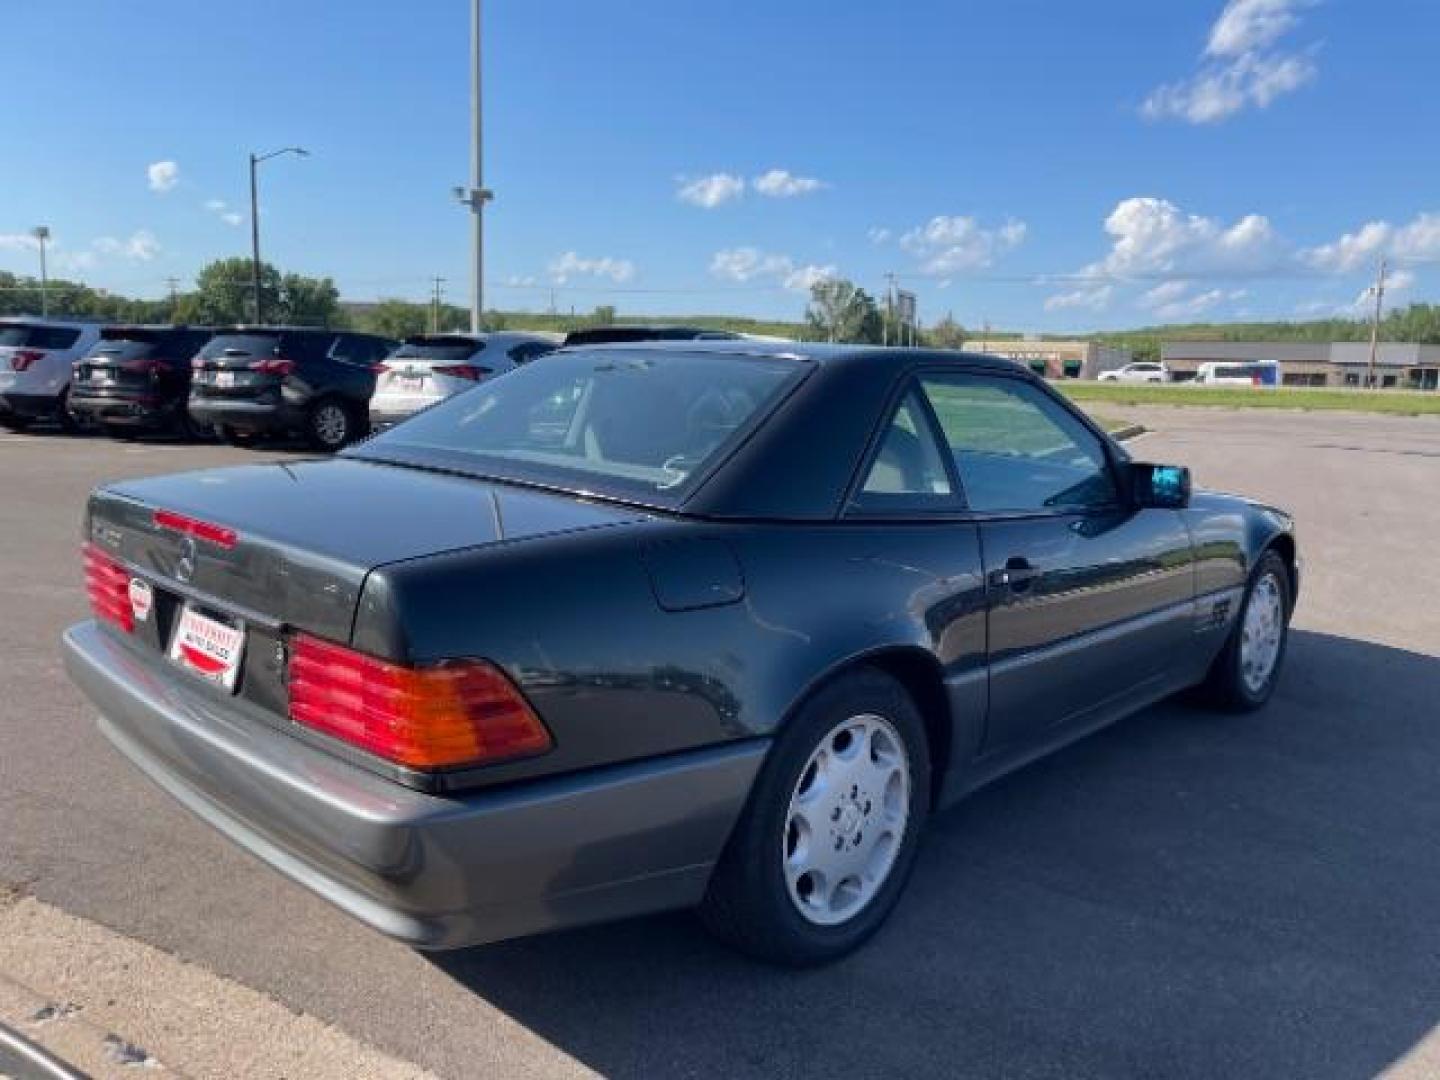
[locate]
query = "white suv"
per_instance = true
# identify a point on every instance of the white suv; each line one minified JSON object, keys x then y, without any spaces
{"x":36,"y":356}
{"x":1142,"y":371}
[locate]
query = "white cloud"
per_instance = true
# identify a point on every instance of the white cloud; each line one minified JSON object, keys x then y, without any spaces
{"x":520,"y":281}
{"x":744,"y":264}
{"x":215,"y":205}
{"x":1091,"y":297}
{"x":1397,"y":282}
{"x":230,"y":217}
{"x":947,"y":244}
{"x":783,"y":184}
{"x":18,"y":242}
{"x":570,"y":265}
{"x":221,"y":209}
{"x":140,"y":246}
{"x":1166,"y":292}
{"x":710,"y":191}
{"x":878,"y":234}
{"x":1240,"y":67}
{"x":162,"y":175}
{"x":1417,"y":239}
{"x":1153,"y":237}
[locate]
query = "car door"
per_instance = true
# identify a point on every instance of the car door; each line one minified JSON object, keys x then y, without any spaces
{"x":1088,"y":598}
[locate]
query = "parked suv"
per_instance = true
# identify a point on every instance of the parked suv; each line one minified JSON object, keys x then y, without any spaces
{"x":254,"y":380}
{"x":137,"y":378}
{"x":430,"y":367}
{"x":35,"y":360}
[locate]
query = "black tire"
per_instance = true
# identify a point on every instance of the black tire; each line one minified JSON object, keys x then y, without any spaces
{"x":233,"y":437}
{"x":68,"y":421}
{"x":330,"y":425}
{"x":749,"y":903}
{"x":1226,"y":686}
{"x":184,"y":427}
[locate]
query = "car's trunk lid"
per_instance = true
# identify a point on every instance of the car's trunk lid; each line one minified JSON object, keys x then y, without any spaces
{"x":307,"y":533}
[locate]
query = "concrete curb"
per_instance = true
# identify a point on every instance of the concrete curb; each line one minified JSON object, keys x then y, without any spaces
{"x":1131,"y":432}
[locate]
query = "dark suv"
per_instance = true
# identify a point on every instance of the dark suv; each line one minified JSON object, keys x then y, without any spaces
{"x":254,"y":380}
{"x":137,"y":378}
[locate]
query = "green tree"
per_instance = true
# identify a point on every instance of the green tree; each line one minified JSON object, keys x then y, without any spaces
{"x":224,"y":294}
{"x":603,"y":315}
{"x":396,"y":318}
{"x":307,"y":301}
{"x":946,"y":334}
{"x":841,"y":311}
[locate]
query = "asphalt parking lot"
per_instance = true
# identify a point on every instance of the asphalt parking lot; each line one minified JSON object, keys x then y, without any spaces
{"x":1186,"y":894}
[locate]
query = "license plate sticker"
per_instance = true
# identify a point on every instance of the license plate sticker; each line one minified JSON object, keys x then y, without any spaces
{"x":208,"y":648}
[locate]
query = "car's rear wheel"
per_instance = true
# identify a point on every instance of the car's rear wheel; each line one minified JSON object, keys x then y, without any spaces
{"x":1245,"y":673}
{"x":330,"y":425}
{"x":825,"y":845}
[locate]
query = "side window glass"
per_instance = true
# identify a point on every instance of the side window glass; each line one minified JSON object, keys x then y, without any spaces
{"x":909,"y":463}
{"x":1016,"y":448}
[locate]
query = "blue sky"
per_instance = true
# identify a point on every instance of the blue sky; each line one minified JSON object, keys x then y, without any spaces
{"x":1033,"y":165}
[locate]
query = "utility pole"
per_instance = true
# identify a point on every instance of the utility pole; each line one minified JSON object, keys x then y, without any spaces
{"x":476,"y":195}
{"x":435,"y":290}
{"x":174,"y":284}
{"x":1379,"y":290}
{"x":889,"y":307}
{"x":41,"y":234}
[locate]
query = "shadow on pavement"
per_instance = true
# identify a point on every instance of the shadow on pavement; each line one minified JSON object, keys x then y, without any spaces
{"x":1186,"y":894}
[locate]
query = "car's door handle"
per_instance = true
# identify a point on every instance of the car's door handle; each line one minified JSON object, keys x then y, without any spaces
{"x":1016,"y":575}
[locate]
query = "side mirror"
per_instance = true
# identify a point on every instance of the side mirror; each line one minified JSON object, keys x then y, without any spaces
{"x":1161,"y":487}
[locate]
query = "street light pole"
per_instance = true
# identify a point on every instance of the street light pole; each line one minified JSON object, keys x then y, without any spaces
{"x":476,"y":195}
{"x":41,"y":234}
{"x":256,"y":159}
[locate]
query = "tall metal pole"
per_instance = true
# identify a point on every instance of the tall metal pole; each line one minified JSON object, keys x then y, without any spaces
{"x":41,"y":235}
{"x":477,"y":185}
{"x":255,"y":245}
{"x":1375,"y":326}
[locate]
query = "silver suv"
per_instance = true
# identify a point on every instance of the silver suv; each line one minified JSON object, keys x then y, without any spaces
{"x":35,"y":365}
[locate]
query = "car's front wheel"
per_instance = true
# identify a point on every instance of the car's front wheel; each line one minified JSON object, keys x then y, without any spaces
{"x":1245,"y":673}
{"x":826,"y":843}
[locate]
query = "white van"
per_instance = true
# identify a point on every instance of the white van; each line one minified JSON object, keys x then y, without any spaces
{"x":1264,"y":373}
{"x":36,"y":358}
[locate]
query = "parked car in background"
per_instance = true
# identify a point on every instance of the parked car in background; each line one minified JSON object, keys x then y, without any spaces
{"x":137,"y":378}
{"x":1141,"y":371}
{"x":250,"y":381}
{"x":427,"y":368}
{"x":613,"y":335}
{"x":36,"y":356}
{"x":650,"y":626}
{"x":1262,"y":373}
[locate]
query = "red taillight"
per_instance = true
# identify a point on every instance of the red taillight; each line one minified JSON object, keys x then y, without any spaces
{"x":108,"y":585}
{"x":276,"y":365}
{"x":458,"y":712}
{"x":379,"y":369}
{"x":21,"y":359}
{"x":197,"y":364}
{"x":461,"y":371}
{"x":218,"y":535}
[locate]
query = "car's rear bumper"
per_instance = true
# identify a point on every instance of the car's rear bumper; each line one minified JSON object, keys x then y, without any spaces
{"x":433,"y":871}
{"x":30,"y":406}
{"x":247,"y":415}
{"x":392,"y":408}
{"x":124,"y":408}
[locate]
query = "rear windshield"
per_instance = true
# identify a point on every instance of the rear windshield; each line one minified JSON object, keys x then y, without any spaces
{"x":607,"y":335}
{"x":635,"y":426}
{"x":240,"y":345}
{"x":38,"y":337}
{"x":134,"y":341}
{"x":427,"y":347}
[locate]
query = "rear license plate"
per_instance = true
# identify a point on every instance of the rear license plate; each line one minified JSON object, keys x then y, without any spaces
{"x":224,"y":379}
{"x":208,"y":648}
{"x":411,"y":383}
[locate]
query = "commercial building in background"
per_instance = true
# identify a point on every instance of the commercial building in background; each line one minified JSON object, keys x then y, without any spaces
{"x":1398,"y":365}
{"x":1055,"y":359}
